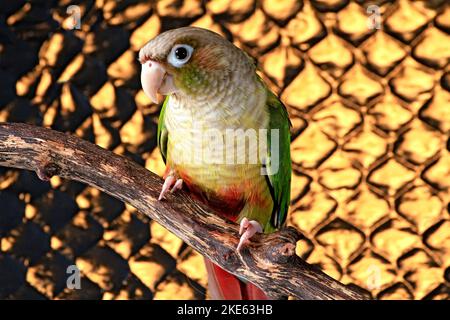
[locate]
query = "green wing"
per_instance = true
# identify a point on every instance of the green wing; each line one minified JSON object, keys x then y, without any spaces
{"x":279,"y":179}
{"x":162,"y":133}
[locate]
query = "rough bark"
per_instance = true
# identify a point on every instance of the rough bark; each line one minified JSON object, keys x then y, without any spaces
{"x":269,"y":261}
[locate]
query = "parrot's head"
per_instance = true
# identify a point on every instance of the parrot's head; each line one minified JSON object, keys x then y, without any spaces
{"x":190,"y":62}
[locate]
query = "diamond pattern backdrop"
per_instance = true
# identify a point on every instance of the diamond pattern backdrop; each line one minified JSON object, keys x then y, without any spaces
{"x":371,"y":120}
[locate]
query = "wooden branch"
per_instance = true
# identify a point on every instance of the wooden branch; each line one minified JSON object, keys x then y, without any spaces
{"x":269,"y":261}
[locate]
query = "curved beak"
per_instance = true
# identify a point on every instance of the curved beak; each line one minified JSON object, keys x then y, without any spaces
{"x":155,"y":80}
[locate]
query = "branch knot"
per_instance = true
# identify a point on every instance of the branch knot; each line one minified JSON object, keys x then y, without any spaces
{"x":47,"y":171}
{"x":283,"y":244}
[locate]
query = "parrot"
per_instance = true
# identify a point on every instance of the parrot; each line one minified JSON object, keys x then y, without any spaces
{"x":212,"y":89}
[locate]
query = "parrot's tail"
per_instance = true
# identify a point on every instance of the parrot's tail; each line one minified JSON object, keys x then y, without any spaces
{"x":225,"y":286}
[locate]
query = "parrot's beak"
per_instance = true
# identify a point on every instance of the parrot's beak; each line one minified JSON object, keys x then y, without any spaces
{"x":155,"y":79}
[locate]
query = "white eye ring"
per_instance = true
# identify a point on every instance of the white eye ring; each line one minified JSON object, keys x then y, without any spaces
{"x":175,"y":60}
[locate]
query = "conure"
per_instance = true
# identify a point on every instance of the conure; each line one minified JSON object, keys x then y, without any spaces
{"x":213,"y":92}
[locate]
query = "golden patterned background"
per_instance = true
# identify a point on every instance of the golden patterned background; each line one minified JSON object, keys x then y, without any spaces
{"x":371,"y":121}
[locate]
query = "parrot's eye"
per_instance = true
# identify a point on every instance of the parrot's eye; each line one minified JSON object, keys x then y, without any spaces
{"x":179,"y":55}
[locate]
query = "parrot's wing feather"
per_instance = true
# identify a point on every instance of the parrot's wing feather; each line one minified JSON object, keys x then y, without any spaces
{"x":279,"y":173}
{"x":163,"y":134}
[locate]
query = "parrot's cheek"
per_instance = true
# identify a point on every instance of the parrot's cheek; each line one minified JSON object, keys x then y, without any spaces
{"x":152,"y":77}
{"x":168,"y":85}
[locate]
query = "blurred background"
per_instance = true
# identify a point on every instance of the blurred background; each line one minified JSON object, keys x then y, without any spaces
{"x":367,"y":87}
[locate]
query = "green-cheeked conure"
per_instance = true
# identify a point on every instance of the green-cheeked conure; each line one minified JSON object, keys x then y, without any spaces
{"x":223,"y":135}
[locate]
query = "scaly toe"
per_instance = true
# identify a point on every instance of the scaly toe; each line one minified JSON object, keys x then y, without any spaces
{"x":168,"y":182}
{"x":243,"y":225}
{"x":178,"y":185}
{"x":248,"y":228}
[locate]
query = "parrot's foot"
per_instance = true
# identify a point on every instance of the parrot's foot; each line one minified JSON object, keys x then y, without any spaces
{"x":247,"y":230}
{"x":170,"y":181}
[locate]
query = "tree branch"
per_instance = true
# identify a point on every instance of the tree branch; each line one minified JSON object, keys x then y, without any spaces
{"x":269,"y":260}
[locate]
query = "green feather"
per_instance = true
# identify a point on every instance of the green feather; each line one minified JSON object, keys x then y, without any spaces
{"x":162,"y":133}
{"x":279,"y":182}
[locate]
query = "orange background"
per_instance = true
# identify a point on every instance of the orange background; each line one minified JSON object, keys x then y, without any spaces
{"x":371,"y":119}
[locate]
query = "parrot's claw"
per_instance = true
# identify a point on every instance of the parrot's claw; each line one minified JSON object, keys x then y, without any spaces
{"x":178,"y":185}
{"x":169,"y":182}
{"x":247,"y":229}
